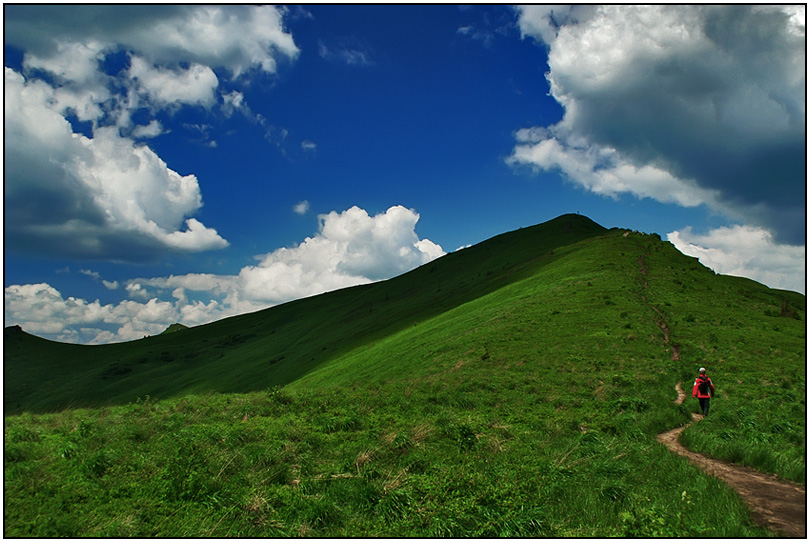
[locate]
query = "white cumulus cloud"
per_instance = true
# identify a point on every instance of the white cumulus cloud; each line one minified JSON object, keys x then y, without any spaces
{"x":195,"y":85}
{"x":745,"y":251}
{"x":94,"y":197}
{"x":603,"y":170}
{"x":146,"y":131}
{"x":684,"y":104}
{"x":350,"y":248}
{"x":301,"y":208}
{"x":236,"y":37}
{"x":103,"y":193}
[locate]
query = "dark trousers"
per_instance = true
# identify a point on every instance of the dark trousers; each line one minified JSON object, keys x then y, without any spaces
{"x":704,"y":405}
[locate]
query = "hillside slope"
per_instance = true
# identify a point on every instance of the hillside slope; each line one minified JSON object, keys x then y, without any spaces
{"x":278,"y":345}
{"x":512,"y":389}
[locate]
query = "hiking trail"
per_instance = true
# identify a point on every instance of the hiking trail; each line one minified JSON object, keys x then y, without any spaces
{"x":777,"y":504}
{"x":660,"y":321}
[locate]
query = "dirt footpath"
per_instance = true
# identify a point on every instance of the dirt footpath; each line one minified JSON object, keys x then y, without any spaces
{"x":775,"y":503}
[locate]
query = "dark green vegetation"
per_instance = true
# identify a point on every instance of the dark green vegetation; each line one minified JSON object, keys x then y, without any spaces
{"x":514,"y":388}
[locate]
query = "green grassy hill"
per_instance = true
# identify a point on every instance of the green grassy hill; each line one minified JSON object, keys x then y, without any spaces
{"x":513,"y":388}
{"x":276,"y":346}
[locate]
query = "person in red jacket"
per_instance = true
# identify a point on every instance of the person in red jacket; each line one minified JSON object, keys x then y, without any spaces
{"x":703,"y":390}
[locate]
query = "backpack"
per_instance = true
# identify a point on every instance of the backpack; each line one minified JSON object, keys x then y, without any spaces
{"x":703,"y":384}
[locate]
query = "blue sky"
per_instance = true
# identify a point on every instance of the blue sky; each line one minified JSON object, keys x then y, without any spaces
{"x":189,"y":163}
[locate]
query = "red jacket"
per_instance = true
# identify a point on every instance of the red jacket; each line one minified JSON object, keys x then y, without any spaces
{"x":696,"y":392}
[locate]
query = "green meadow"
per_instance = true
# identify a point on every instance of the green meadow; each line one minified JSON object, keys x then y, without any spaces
{"x":511,"y":389}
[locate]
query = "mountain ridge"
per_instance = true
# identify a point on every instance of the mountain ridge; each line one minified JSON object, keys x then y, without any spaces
{"x":282,"y":344}
{"x":196,"y":360}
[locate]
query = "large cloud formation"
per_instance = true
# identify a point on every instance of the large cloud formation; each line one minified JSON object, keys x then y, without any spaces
{"x":101,"y":192}
{"x":745,"y":251}
{"x":350,"y":248}
{"x":684,"y":104}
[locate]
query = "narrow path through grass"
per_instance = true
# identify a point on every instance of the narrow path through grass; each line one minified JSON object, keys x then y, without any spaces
{"x":774,"y":503}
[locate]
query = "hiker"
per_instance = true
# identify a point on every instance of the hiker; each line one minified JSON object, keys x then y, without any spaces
{"x":703,"y":390}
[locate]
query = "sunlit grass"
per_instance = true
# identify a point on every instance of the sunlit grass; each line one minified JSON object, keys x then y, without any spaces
{"x":526,"y":408}
{"x":367,"y":462}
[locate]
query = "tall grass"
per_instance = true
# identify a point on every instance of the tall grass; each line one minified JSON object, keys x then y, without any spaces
{"x":756,"y":432}
{"x":362,"y":462}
